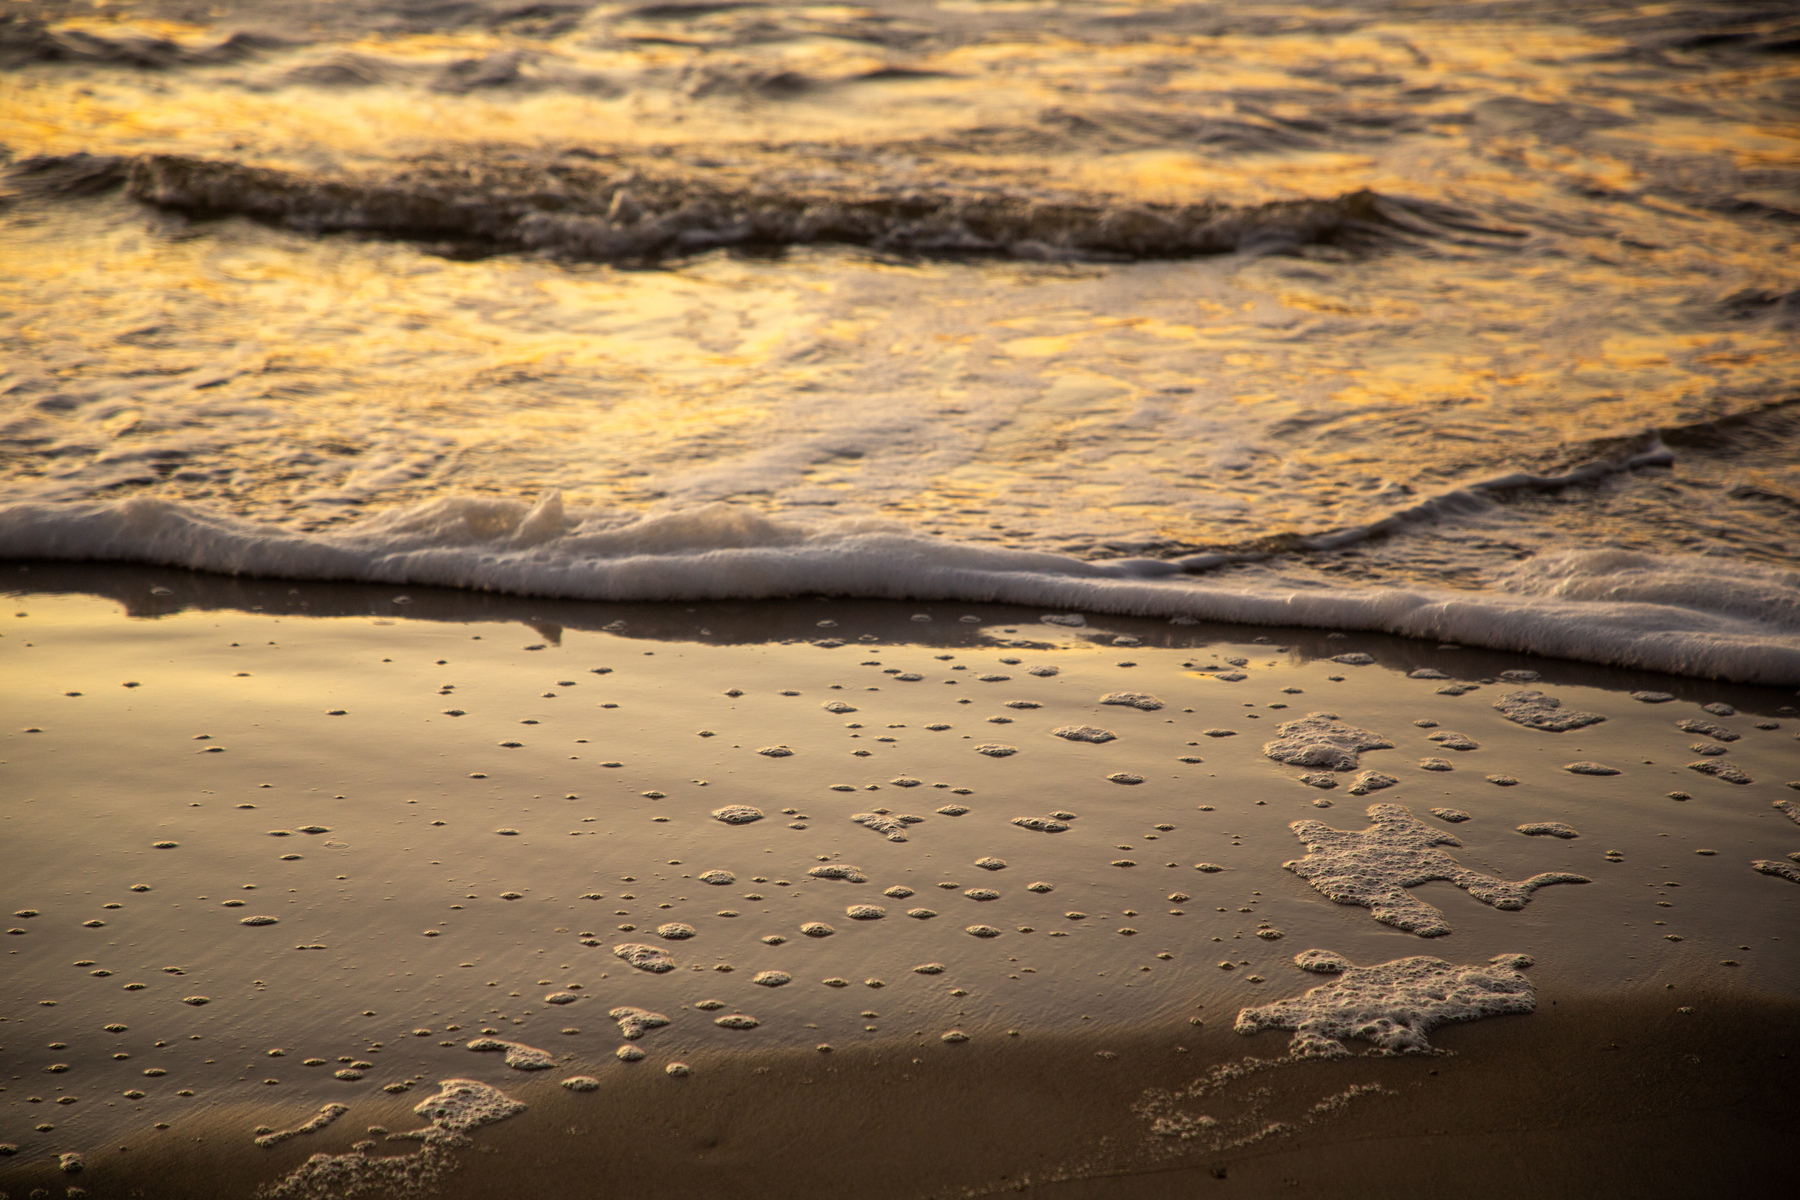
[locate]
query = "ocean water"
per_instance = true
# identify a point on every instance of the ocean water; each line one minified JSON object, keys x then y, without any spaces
{"x":1466,"y":321}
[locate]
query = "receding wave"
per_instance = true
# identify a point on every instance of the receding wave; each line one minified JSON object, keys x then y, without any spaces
{"x":642,"y":208}
{"x":1688,"y":615}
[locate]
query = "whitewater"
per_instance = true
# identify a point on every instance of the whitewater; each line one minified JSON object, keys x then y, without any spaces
{"x":1441,"y":321}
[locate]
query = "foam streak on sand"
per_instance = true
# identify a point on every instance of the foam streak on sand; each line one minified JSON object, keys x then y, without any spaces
{"x":1686,"y":615}
{"x":1392,"y":1006}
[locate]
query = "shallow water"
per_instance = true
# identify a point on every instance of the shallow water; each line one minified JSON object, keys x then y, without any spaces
{"x":437,"y":878}
{"x":933,"y":266}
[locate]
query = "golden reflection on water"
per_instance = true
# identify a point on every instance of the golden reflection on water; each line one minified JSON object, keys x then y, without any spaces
{"x":1190,"y":403}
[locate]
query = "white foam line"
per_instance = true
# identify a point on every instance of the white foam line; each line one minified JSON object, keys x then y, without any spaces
{"x":1688,"y":615}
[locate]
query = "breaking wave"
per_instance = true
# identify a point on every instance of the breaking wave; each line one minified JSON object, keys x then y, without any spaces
{"x":1688,"y":615}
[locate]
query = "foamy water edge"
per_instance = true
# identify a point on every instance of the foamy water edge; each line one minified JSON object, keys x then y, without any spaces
{"x":1686,"y":615}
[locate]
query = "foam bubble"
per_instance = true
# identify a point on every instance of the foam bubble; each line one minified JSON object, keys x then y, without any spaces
{"x":921,"y":914}
{"x":954,"y":810}
{"x":1435,"y":764}
{"x":1716,"y":732}
{"x":1785,"y":870}
{"x":771,"y":979}
{"x":1373,"y":868}
{"x":1426,"y":673}
{"x":561,"y":998}
{"x":675,"y":931}
{"x":865,"y":912}
{"x":1535,"y":710}
{"x":519,"y":1056}
{"x":817,"y":929}
{"x":634,"y":1022}
{"x":1039,"y":888}
{"x":1322,"y":962}
{"x":996,"y":749}
{"x":1788,"y":808}
{"x":718,"y":878}
{"x":1125,"y":777}
{"x":838,"y":706}
{"x":1321,"y":740}
{"x":1354,"y":658}
{"x":1394,"y":1006}
{"x":1719,"y":708}
{"x":1652,"y":697}
{"x":982,"y":894}
{"x":1084,"y":733}
{"x":737,"y":1021}
{"x":645,"y":958}
{"x":1319,"y":779}
{"x":1453,"y":815}
{"x":1371,"y":781}
{"x":842,"y":871}
{"x":1453,"y":741}
{"x":929,"y":969}
{"x":628,"y":1054}
{"x":678,"y":1070}
{"x":582,"y":1083}
{"x":891,"y":826}
{"x":1720,"y":769}
{"x":1590,"y":768}
{"x":1041,"y":824}
{"x":1502,"y":781}
{"x":1555,"y":829}
{"x":775,"y":752}
{"x":1139,"y":700}
{"x":737,"y":814}
{"x":990,"y":863}
{"x":982,"y":931}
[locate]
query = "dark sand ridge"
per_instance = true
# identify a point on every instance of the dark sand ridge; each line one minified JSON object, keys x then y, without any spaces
{"x":117,"y":768}
{"x":1591,"y":1096}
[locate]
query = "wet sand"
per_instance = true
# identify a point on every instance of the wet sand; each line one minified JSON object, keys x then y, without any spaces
{"x":431,"y":886}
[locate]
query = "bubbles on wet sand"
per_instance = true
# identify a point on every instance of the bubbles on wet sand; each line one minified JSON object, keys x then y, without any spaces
{"x":1555,"y":829}
{"x":633,"y":1022}
{"x":1453,"y":815}
{"x":982,"y":931}
{"x":1374,"y":867}
{"x":737,"y":1021}
{"x":1393,"y":1006}
{"x":865,"y":912}
{"x":1502,"y":780}
{"x":842,"y":871}
{"x":1125,"y":777}
{"x":718,"y":878}
{"x":1590,"y":768}
{"x":1535,"y":710}
{"x":1319,"y":779}
{"x":737,"y":814}
{"x":1784,"y":870}
{"x":1041,"y":824}
{"x":891,"y":826}
{"x":1321,"y":740}
{"x":628,"y":1054}
{"x":1139,"y":700}
{"x":771,"y":979}
{"x":954,"y":810}
{"x":775,"y":752}
{"x":1720,"y":769}
{"x":1371,"y":781}
{"x":898,"y":892}
{"x":996,"y":749}
{"x":921,"y":914}
{"x":1717,"y":732}
{"x":982,"y":894}
{"x":519,"y":1056}
{"x":817,"y":929}
{"x":1652,"y":697}
{"x":582,"y":1083}
{"x":1084,"y":733}
{"x":645,"y":958}
{"x":675,"y":931}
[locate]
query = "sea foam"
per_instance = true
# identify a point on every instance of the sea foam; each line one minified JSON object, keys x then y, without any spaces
{"x":1683,"y":614}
